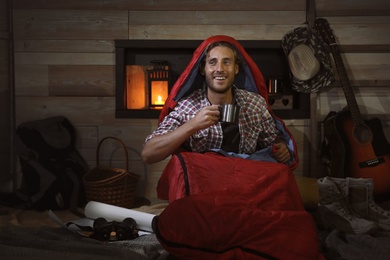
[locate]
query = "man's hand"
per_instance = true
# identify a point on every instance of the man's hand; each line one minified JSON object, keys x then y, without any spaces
{"x":280,"y":152}
{"x":160,"y":147}
{"x":206,"y":117}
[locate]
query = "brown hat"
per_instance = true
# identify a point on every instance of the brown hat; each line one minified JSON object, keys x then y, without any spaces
{"x":310,"y":64}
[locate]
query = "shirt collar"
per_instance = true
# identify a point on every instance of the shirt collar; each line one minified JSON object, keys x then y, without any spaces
{"x":237,"y":95}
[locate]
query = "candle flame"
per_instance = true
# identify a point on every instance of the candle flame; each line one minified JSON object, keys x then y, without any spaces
{"x":159,"y":100}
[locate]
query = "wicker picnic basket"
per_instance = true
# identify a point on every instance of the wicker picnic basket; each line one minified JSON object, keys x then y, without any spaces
{"x":114,"y":186}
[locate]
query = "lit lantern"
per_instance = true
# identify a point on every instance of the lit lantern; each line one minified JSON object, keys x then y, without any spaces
{"x":158,"y":83}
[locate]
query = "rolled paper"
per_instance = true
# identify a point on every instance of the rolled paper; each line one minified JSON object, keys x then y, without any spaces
{"x":95,"y":210}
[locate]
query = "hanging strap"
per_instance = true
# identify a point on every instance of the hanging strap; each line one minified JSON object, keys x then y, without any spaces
{"x":310,"y":12}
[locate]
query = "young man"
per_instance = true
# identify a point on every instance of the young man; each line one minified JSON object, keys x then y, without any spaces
{"x":220,"y":195}
{"x":194,"y":123}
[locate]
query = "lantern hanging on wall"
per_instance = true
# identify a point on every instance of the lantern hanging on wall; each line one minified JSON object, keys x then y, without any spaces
{"x":159,"y":77}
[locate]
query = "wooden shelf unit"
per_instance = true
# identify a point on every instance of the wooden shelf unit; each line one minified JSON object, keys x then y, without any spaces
{"x":268,"y":55}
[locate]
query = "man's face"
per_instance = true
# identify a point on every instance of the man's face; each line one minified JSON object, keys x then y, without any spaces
{"x":220,"y":69}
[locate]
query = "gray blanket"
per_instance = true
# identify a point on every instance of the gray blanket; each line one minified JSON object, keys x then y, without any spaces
{"x":59,"y":243}
{"x":339,"y":246}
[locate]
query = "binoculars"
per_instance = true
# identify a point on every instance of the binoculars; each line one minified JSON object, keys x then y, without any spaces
{"x":113,"y":230}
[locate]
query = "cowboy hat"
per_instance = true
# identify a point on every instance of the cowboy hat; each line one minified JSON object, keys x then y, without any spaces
{"x":310,"y":64}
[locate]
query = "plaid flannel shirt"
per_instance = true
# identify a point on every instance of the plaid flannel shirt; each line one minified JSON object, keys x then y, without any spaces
{"x":256,"y":124}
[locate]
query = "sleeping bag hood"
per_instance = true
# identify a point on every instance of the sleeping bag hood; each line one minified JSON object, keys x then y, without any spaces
{"x":249,"y":78}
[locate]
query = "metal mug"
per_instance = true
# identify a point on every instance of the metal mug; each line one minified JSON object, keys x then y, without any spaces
{"x":229,"y":113}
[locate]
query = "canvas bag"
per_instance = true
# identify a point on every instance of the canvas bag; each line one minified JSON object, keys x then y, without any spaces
{"x":51,"y":166}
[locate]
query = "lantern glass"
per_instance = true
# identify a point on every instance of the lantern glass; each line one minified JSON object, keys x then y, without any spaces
{"x":158,"y":93}
{"x":158,"y":82}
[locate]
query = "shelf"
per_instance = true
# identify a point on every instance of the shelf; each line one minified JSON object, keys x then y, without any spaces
{"x":268,"y":55}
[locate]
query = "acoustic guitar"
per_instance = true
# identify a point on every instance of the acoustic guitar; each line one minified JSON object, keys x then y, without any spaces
{"x":358,"y":147}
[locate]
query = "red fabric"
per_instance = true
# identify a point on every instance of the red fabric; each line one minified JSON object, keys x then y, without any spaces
{"x":212,"y":171}
{"x":237,"y":209}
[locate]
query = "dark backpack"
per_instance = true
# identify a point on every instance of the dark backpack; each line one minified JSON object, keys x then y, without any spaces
{"x":52,"y":168}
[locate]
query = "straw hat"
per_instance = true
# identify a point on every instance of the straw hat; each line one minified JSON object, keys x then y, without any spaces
{"x":303,"y":64}
{"x":309,"y":63}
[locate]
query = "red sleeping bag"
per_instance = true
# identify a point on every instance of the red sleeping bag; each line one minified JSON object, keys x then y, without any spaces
{"x":231,"y":208}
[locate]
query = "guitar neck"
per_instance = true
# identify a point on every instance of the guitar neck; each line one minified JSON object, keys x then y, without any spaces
{"x":348,"y":92}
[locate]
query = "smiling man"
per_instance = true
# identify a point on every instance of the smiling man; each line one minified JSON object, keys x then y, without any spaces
{"x":194,"y":124}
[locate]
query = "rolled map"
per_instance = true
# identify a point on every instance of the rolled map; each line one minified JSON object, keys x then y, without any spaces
{"x":95,"y":210}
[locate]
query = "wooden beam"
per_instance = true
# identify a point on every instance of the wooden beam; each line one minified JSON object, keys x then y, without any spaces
{"x":166,"y":5}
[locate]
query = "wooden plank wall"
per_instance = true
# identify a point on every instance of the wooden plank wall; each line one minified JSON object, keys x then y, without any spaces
{"x":64,"y":53}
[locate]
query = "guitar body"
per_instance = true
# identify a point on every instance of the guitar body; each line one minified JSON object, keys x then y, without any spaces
{"x":359,"y":153}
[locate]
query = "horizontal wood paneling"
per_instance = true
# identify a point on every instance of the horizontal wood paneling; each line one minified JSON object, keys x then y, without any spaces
{"x":361,"y":33}
{"x":377,"y":19}
{"x":364,"y":66}
{"x":370,"y":102}
{"x":374,"y":84}
{"x":78,"y":80}
{"x":323,"y":7}
{"x":80,"y":110}
{"x":66,"y":46}
{"x":132,"y":135}
{"x":31,"y":80}
{"x":352,"y":7}
{"x":87,"y":136}
{"x":196,"y":32}
{"x":65,"y":58}
{"x":215,"y":17}
{"x":354,"y":34}
{"x":181,"y":5}
{"x":355,"y":31}
{"x":70,"y":24}
{"x":373,"y":59}
{"x":86,"y":142}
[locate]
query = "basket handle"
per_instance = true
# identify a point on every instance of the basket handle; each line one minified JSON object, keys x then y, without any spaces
{"x":119,"y":141}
